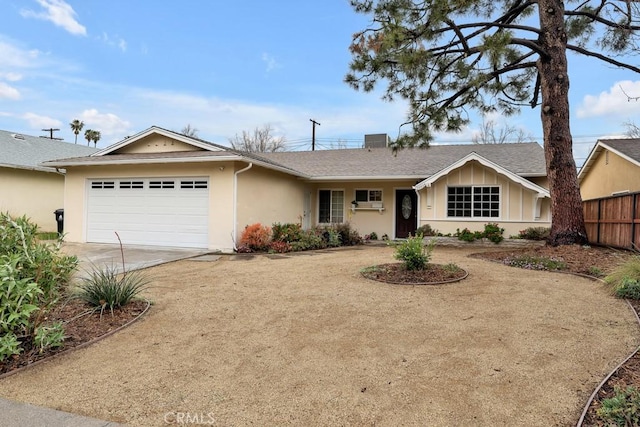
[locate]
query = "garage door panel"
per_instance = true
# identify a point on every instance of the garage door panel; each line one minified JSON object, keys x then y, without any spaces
{"x":148,"y":216}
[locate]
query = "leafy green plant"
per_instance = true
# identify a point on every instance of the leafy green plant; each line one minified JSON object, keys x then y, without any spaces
{"x":467,"y":235}
{"x":288,"y":232}
{"x":493,"y":232}
{"x":107,"y":288}
{"x":530,"y":262}
{"x":9,"y":345}
{"x":18,"y":296}
{"x":332,"y":238}
{"x":348,"y":236}
{"x":372,"y":236}
{"x":49,"y":336}
{"x":50,"y":235}
{"x":628,"y":288}
{"x":414,"y":253}
{"x":623,"y":409}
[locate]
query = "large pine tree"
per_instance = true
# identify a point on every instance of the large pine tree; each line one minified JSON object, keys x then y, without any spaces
{"x":447,"y":56}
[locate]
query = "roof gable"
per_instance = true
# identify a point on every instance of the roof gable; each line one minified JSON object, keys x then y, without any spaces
{"x":158,"y":140}
{"x":27,"y":152}
{"x":628,"y":149}
{"x":487,"y":163}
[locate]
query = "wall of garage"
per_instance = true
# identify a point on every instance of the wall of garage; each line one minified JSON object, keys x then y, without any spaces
{"x":220,"y":176}
{"x":268,"y":196}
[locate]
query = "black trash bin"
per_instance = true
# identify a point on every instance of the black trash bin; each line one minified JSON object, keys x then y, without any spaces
{"x":60,"y":219}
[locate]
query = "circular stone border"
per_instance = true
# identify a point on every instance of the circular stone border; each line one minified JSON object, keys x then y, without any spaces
{"x":458,"y":279}
{"x":78,"y":347}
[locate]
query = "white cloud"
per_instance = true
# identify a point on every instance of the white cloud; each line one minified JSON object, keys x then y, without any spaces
{"x":38,"y":121}
{"x":59,"y":13}
{"x":271,"y":62}
{"x":614,"y":102}
{"x":12,"y":57}
{"x":8,"y":92}
{"x":106,"y":123}
{"x":114,"y":41}
{"x":11,"y":77}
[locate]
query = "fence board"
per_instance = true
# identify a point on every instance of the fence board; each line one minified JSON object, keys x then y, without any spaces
{"x":613,"y":221}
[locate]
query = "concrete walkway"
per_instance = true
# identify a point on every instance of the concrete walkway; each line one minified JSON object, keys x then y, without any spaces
{"x":90,"y":255}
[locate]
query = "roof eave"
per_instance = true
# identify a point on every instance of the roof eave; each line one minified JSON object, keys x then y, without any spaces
{"x":32,"y":168}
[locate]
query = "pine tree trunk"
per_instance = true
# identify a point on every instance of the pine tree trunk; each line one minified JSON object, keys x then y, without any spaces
{"x":567,"y":226}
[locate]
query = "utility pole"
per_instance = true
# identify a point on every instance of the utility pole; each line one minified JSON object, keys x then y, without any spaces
{"x":313,"y":134}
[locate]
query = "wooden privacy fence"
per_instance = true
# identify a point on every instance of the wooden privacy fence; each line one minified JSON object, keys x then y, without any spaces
{"x":613,"y":221}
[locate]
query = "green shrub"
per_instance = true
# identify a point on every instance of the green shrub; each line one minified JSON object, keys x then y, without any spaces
{"x":256,"y":237}
{"x":535,"y":233}
{"x":628,"y":288}
{"x":371,"y":236}
{"x":623,"y":409}
{"x":493,"y":232}
{"x":18,"y":297}
{"x":348,"y":236}
{"x":414,"y":253}
{"x":467,"y":235}
{"x":331,"y":237}
{"x":49,"y":336}
{"x":108,"y":289}
{"x":42,"y":262}
{"x":427,"y":231}
{"x":287,"y":232}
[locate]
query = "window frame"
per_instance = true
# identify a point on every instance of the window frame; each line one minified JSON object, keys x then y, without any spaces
{"x":331,"y":206}
{"x":369,"y":198}
{"x":474,"y":201}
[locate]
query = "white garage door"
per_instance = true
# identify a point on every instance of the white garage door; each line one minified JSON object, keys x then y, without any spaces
{"x":150,"y":211}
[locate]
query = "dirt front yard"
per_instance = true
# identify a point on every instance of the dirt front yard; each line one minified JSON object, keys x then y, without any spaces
{"x":305,"y":340}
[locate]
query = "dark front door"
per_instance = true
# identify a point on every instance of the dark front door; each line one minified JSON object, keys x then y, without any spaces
{"x":406,"y":213}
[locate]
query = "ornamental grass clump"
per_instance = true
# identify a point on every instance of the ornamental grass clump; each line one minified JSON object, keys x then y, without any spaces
{"x":624,"y":281}
{"x":108,"y":289}
{"x":414,"y":253}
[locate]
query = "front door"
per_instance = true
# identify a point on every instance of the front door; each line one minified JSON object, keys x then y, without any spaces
{"x":406,"y":213}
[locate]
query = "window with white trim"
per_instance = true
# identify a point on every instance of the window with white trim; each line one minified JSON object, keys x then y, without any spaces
{"x":473,"y":202}
{"x":330,"y":206}
{"x":366,"y":196}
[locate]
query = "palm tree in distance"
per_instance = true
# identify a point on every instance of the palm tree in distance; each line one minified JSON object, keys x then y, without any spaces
{"x":88,"y":135}
{"x":95,"y":137}
{"x":76,"y":127}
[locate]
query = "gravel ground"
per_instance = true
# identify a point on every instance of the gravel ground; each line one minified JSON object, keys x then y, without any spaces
{"x":305,"y":340}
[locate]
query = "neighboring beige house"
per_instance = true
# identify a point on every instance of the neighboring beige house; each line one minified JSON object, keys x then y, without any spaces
{"x":613,"y":167}
{"x":26,"y":187}
{"x":162,"y":188}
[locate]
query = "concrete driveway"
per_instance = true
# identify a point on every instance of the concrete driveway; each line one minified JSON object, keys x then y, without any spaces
{"x":135,"y":257}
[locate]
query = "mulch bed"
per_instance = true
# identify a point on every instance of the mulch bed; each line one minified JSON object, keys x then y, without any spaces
{"x":397,"y":274}
{"x":81,"y":325}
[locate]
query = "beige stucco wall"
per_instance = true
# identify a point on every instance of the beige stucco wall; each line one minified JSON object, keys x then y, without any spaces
{"x":267,"y":196}
{"x":220,"y":195}
{"x":362,"y":219}
{"x":609,"y":173}
{"x":34,"y":194}
{"x":156,"y":144}
{"x":518,"y":208}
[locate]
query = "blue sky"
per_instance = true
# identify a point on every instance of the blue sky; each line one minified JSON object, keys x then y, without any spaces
{"x":226,"y":67}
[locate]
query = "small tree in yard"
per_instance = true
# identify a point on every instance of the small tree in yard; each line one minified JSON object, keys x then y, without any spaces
{"x":446,"y":56}
{"x":261,"y":141}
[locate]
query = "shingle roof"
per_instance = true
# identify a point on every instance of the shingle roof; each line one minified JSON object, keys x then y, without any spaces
{"x":628,"y":147}
{"x":27,"y":152}
{"x":525,"y":159}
